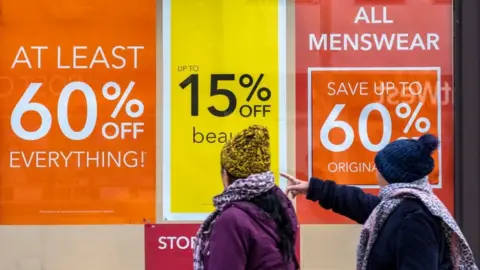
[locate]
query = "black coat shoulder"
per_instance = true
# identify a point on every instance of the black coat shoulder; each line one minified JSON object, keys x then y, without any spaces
{"x":411,"y":238}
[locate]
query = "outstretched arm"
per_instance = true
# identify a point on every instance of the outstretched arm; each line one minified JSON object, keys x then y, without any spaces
{"x":348,"y":201}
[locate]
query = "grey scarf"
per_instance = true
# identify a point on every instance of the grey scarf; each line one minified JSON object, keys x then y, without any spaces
{"x":392,"y":195}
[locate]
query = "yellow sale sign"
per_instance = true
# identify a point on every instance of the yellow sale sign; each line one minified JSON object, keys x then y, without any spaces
{"x":221,"y":75}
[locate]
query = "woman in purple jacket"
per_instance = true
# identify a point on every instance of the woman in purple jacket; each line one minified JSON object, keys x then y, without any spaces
{"x":254,"y":225}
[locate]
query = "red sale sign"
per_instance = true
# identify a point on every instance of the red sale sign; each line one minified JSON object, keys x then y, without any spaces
{"x":170,"y":246}
{"x":368,"y":74}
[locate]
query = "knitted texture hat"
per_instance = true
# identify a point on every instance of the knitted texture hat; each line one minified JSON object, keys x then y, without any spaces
{"x":405,"y":161}
{"x":247,"y":153}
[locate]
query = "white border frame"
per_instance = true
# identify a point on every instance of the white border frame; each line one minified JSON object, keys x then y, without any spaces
{"x":168,"y":215}
{"x":337,"y":69}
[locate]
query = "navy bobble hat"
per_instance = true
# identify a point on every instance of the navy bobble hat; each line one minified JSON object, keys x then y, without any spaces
{"x":405,"y":161}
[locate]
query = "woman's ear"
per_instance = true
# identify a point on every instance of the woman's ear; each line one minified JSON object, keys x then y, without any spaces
{"x":381,"y":181}
{"x":225,"y":178}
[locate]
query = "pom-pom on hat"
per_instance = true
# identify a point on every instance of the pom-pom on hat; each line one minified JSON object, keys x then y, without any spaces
{"x":247,"y":153}
{"x":405,"y":161}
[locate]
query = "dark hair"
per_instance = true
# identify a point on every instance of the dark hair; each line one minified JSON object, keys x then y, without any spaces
{"x":272,"y":205}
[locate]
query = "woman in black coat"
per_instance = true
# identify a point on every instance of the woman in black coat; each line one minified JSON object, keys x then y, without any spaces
{"x":406,"y":226}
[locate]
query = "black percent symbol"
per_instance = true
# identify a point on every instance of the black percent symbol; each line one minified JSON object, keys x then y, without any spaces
{"x":247,"y":81}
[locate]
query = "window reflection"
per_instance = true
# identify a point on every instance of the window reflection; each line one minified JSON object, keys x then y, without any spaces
{"x":444,"y":2}
{"x":380,"y":2}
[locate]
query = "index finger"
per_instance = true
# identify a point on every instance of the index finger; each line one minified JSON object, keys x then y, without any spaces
{"x":290,"y":178}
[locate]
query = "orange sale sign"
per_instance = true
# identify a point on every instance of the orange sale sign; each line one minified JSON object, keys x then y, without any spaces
{"x":384,"y":104}
{"x":78,"y":104}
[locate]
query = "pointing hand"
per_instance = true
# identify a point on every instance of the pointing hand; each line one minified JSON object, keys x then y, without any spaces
{"x":295,"y":186}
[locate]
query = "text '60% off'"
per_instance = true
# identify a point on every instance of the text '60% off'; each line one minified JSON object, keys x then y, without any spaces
{"x":245,"y":81}
{"x":402,"y":111}
{"x":110,"y":130}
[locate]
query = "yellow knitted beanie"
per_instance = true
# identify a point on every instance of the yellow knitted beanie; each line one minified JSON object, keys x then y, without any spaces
{"x":247,"y":153}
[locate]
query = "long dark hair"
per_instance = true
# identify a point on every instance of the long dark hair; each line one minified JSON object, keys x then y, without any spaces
{"x":272,"y":205}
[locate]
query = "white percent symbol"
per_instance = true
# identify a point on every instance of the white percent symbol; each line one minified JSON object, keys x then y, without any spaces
{"x":116,"y":94}
{"x":125,"y":127}
{"x":404,"y":111}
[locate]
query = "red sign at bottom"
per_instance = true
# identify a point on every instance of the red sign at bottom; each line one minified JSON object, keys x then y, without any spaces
{"x":170,"y":246}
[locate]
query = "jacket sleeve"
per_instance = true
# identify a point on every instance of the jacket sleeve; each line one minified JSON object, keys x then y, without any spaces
{"x":417,"y":246}
{"x":228,"y":246}
{"x":348,"y":201}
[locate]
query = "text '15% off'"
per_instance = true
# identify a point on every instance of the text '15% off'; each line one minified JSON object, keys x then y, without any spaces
{"x":246,"y":81}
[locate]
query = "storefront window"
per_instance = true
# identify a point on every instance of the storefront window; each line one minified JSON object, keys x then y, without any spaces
{"x":115,"y":113}
{"x":367,"y":73}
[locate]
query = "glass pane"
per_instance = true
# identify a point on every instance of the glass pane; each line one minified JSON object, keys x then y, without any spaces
{"x":115,"y":113}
